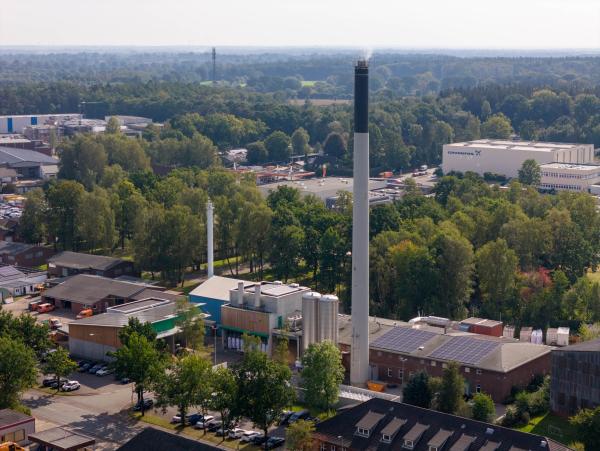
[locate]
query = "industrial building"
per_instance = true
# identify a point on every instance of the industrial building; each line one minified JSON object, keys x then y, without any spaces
{"x":22,"y":254}
{"x":390,"y":425}
{"x":575,"y":382}
{"x":68,"y":263}
{"x":17,"y":281}
{"x":489,"y":363}
{"x":29,"y":164}
{"x":505,"y":157}
{"x":18,"y":123}
{"x":258,"y":309}
{"x":95,"y":336}
{"x":214,"y":293}
{"x":570,"y":177}
{"x":85,"y":291}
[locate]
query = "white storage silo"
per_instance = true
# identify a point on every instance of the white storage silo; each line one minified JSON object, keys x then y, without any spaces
{"x":509,"y":332}
{"x":562,"y":336}
{"x":310,"y":318}
{"x":551,"y":336}
{"x":328,"y":318}
{"x":525,"y":334}
{"x":537,"y":336}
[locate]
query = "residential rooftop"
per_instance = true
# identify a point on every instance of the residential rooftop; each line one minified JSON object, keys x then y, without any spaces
{"x":61,"y":439}
{"x":9,"y":417}
{"x":151,"y":439}
{"x":424,"y":428}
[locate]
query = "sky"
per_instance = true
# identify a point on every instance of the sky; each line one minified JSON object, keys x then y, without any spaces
{"x":414,"y":24}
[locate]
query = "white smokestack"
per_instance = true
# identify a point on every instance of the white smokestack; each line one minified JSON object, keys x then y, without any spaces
{"x":209,"y":239}
{"x":359,"y":369}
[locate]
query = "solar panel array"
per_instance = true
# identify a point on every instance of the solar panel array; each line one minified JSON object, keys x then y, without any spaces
{"x":465,"y":350}
{"x":403,"y":339}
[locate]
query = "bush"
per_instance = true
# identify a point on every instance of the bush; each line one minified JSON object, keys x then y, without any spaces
{"x":525,"y":418}
{"x":510,"y":417}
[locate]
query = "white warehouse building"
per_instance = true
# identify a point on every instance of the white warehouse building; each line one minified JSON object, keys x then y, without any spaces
{"x":506,"y":157}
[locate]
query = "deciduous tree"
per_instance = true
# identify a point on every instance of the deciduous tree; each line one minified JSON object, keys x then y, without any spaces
{"x":60,"y":364}
{"x":322,"y":374}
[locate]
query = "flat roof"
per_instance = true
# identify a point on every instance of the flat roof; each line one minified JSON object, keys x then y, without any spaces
{"x":217,"y":287}
{"x":499,"y":144}
{"x":61,"y":439}
{"x":577,"y":167}
{"x":12,"y":156}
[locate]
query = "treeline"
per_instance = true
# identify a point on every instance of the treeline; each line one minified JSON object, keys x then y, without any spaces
{"x":307,"y":74}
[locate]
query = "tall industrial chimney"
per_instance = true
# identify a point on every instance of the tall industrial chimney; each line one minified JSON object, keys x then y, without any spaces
{"x":209,"y":239}
{"x":359,"y":369}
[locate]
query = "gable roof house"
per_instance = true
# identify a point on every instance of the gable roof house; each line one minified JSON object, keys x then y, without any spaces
{"x":71,"y":263}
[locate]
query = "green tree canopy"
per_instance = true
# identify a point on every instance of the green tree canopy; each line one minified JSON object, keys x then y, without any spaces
{"x":60,"y":364}
{"x":483,"y":407}
{"x":322,"y":374}
{"x":530,"y":173}
{"x":496,"y":126}
{"x":418,"y":391}
{"x":299,"y":436}
{"x":17,"y":371}
{"x":278,"y":146}
{"x":300,"y":140}
{"x":452,"y":389}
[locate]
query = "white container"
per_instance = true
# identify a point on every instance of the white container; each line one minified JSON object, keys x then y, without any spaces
{"x":525,"y":334}
{"x":562,"y":338}
{"x":508,"y":332}
{"x":537,"y":337}
{"x":328,"y":316}
{"x":551,"y":336}
{"x":310,"y":318}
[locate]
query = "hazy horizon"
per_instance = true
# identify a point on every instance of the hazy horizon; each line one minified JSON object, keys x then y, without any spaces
{"x":534,"y":25}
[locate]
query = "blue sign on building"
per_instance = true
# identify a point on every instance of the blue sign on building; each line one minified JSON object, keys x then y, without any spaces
{"x":9,"y":124}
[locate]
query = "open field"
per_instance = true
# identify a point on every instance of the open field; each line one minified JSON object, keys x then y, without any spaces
{"x":309,"y":83}
{"x":321,"y":102}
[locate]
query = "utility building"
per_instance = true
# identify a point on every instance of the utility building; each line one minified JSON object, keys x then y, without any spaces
{"x":505,"y":157}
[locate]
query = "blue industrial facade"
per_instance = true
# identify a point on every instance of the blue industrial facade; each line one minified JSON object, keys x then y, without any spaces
{"x":211,"y":306}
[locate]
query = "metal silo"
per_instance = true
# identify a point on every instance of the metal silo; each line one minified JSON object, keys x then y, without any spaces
{"x":328,"y":318}
{"x":310,"y":309}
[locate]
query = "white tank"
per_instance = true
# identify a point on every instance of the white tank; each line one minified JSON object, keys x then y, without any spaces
{"x":310,"y":315}
{"x":509,"y":332}
{"x":328,"y":316}
{"x":562,"y":336}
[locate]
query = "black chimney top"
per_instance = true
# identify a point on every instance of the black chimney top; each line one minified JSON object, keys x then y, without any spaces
{"x":361,"y":97}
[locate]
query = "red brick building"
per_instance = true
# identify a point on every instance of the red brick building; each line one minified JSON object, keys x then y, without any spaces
{"x":488,"y":364}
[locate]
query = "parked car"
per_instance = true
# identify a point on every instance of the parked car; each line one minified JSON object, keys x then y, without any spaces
{"x":190,"y":418}
{"x":85,"y":313}
{"x":220,"y":432}
{"x":58,"y":384}
{"x":45,"y":307}
{"x":148,"y":403}
{"x":104,"y":371}
{"x":275,"y":442}
{"x":236,"y":433}
{"x":80,"y":363}
{"x":48,"y":380}
{"x":95,"y":368}
{"x":33,"y":305}
{"x":258,"y":439}
{"x":214,"y":425}
{"x":204,"y":421}
{"x":85,"y":367}
{"x":300,"y":415}
{"x":125,"y":380}
{"x":285,"y":417}
{"x":247,"y":436}
{"x":70,"y":386}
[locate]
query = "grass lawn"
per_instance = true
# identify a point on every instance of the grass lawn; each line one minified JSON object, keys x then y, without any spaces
{"x":192,"y":432}
{"x":594,"y":276}
{"x":309,"y":83}
{"x":551,"y":426}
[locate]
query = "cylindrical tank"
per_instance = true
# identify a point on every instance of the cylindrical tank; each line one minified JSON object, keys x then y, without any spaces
{"x":328,"y":318}
{"x":310,"y":309}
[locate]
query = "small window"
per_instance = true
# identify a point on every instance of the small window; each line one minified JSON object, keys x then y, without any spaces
{"x":478,"y":388}
{"x":433,"y":363}
{"x":323,"y":447}
{"x":478,"y":371}
{"x":363,"y":432}
{"x":444,"y":365}
{"x":408,"y":444}
{"x":386,"y":438}
{"x":378,"y":353}
{"x":390,"y":373}
{"x":29,"y":256}
{"x":433,"y":448}
{"x":422,"y":361}
{"x":467,"y":369}
{"x":39,"y":254}
{"x":332,"y":448}
{"x":401,"y":375}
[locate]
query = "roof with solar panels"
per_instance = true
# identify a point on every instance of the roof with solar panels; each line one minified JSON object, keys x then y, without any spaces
{"x":480,"y":351}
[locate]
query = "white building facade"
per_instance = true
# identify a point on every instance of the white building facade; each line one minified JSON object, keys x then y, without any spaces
{"x":505,"y":157}
{"x":569,"y":177}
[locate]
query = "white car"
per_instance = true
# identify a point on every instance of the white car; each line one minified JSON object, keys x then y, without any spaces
{"x":201,"y":424}
{"x":236,"y":433}
{"x":70,"y":386}
{"x":247,"y":436}
{"x":104,"y":371}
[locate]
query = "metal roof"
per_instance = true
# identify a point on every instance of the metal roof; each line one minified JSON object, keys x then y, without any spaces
{"x":84,"y":261}
{"x":61,"y":439}
{"x":9,"y":417}
{"x":370,"y":420}
{"x":217,"y":287}
{"x":12,"y":156}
